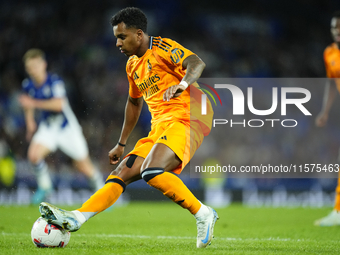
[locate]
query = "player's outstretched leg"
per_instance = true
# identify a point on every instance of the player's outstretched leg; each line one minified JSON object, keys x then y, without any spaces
{"x":98,"y":202}
{"x":128,"y":171}
{"x":173,"y":187}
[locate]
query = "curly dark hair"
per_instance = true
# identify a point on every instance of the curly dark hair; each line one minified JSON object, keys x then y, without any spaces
{"x":132,"y":17}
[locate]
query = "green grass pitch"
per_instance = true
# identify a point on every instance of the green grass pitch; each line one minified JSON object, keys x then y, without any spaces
{"x":165,"y":228}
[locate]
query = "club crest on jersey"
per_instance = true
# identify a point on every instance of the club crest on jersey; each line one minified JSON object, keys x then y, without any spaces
{"x":176,"y":55}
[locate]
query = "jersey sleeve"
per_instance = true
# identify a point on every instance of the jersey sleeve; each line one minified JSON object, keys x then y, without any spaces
{"x":58,"y":89}
{"x":327,"y":67}
{"x":133,"y":89}
{"x":173,"y":52}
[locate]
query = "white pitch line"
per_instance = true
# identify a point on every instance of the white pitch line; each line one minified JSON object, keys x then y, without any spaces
{"x":277,"y":239}
{"x":192,"y":238}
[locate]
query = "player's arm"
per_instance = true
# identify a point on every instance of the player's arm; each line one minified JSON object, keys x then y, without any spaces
{"x":53,"y":104}
{"x":31,"y":125}
{"x":194,"y":66}
{"x":133,"y":109}
{"x":328,"y":100}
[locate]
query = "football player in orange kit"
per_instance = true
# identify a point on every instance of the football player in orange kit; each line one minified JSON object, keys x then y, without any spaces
{"x":332,"y":64}
{"x":159,"y":70}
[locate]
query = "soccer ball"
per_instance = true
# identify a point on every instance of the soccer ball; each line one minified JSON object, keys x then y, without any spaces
{"x":45,"y":235}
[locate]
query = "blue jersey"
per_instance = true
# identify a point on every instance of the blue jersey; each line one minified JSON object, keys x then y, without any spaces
{"x":53,"y":87}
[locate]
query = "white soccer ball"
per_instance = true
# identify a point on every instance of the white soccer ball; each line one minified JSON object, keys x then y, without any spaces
{"x":45,"y":235}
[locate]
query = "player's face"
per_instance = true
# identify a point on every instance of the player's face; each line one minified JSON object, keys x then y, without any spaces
{"x":128,"y":39}
{"x":335,"y":29}
{"x":36,"y":67}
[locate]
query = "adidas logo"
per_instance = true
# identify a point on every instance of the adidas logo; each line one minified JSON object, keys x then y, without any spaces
{"x":163,"y":137}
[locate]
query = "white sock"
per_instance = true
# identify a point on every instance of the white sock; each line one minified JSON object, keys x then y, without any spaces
{"x":203,"y":211}
{"x":80,"y":217}
{"x":43,"y":177}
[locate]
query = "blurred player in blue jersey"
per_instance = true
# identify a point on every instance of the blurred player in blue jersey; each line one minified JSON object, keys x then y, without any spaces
{"x":58,"y":127}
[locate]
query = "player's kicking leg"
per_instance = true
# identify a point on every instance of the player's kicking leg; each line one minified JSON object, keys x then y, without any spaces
{"x":156,"y":167}
{"x":128,"y":171}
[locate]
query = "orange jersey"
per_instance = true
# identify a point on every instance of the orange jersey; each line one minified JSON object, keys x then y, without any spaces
{"x":332,"y":62}
{"x":148,"y":78}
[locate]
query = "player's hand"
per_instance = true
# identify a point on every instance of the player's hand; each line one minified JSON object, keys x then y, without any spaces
{"x":321,"y":120}
{"x":173,"y":91}
{"x":115,"y":154}
{"x":26,"y":101}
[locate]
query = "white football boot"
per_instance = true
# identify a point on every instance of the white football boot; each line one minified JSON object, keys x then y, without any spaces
{"x":332,"y":219}
{"x":205,"y":228}
{"x":65,"y":219}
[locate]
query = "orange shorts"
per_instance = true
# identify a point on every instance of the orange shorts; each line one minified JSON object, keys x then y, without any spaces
{"x":181,"y":137}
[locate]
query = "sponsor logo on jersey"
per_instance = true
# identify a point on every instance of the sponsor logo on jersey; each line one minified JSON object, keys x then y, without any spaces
{"x":148,"y":82}
{"x":149,"y":86}
{"x":176,"y":55}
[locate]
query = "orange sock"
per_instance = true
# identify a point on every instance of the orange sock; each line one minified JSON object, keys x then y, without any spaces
{"x":172,"y":187}
{"x":104,"y":197}
{"x":337,"y":197}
